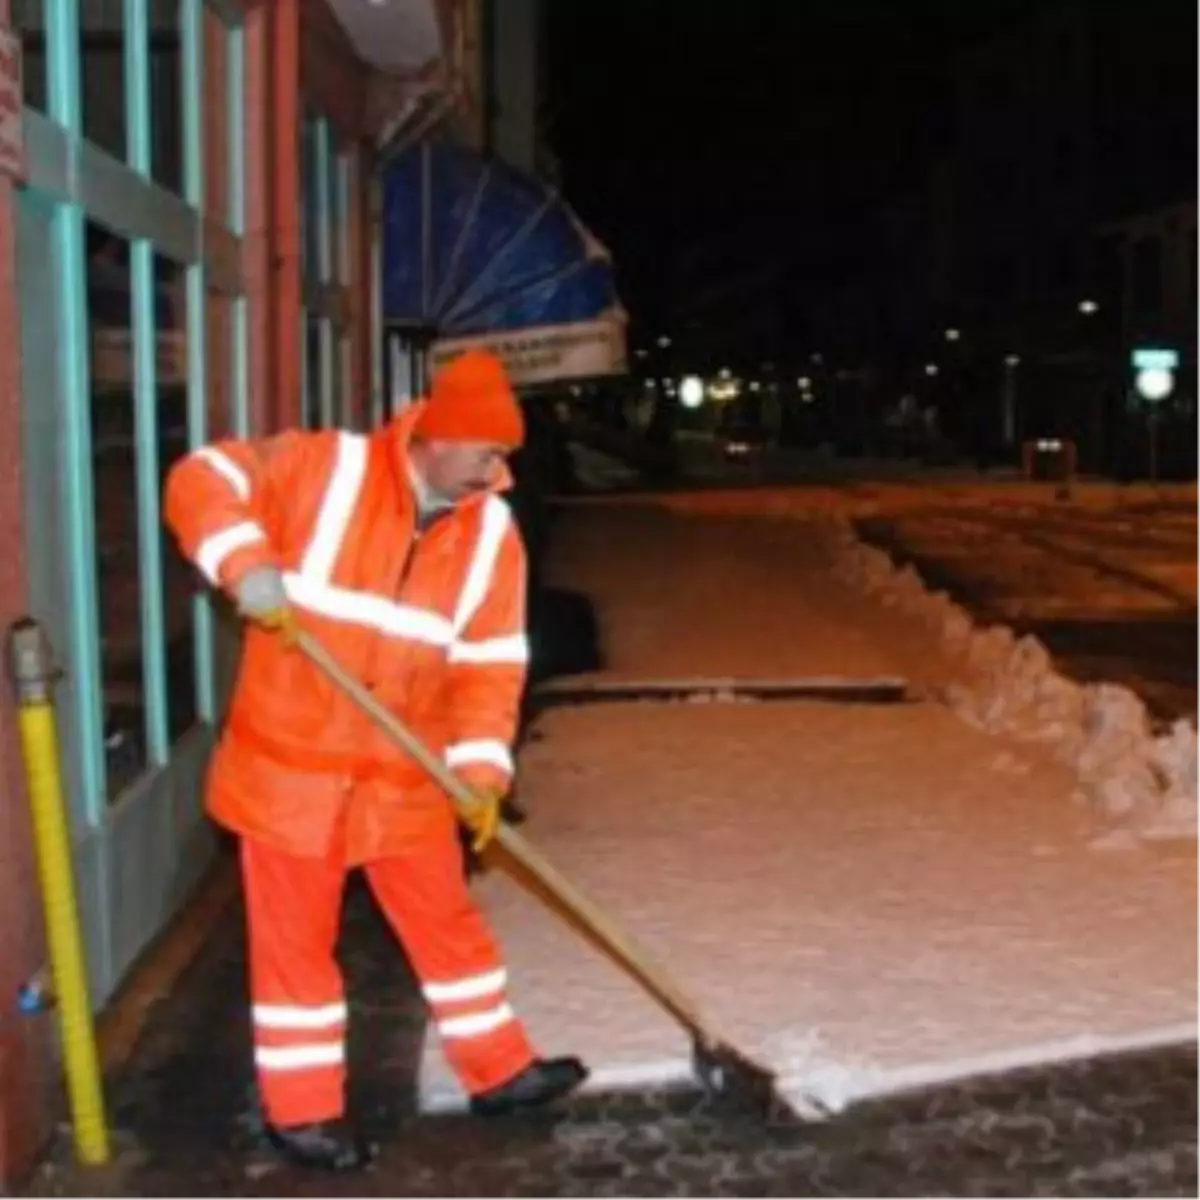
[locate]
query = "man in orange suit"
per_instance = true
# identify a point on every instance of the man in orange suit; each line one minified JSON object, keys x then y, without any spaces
{"x":397,"y":551}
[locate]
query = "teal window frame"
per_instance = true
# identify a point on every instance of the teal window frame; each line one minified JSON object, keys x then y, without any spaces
{"x":325,"y":193}
{"x":85,"y":183}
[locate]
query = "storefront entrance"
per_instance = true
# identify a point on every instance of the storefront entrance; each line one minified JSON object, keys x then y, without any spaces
{"x":133,"y":348}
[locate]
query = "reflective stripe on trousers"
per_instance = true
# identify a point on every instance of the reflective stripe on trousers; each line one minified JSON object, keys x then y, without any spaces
{"x":299,"y":1010}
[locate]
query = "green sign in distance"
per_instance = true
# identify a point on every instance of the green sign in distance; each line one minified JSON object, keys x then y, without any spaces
{"x":1148,"y":358}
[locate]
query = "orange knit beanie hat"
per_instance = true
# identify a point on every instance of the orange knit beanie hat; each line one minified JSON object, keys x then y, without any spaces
{"x":472,"y":400}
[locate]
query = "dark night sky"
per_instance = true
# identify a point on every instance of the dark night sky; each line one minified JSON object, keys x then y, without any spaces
{"x":679,"y":121}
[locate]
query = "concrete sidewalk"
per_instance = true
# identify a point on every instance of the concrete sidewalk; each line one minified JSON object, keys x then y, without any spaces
{"x":867,"y":896}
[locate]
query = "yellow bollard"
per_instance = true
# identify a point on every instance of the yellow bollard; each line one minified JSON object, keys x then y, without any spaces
{"x":33,"y":676}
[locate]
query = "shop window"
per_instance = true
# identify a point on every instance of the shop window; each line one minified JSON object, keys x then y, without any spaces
{"x":102,"y":76}
{"x":311,"y":192}
{"x":339,"y":196}
{"x":179,"y":581}
{"x":350,"y":415}
{"x":221,"y":418}
{"x":109,"y":296}
{"x":218,"y":143}
{"x":314,"y":413}
{"x":334,"y":204}
{"x":105,"y":89}
{"x":135,"y":729}
{"x":167,"y":136}
{"x":28,"y":20}
{"x":330,"y":376}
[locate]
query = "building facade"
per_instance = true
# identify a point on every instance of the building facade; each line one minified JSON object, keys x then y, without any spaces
{"x":1154,"y":256}
{"x":1152,"y":267}
{"x":513,"y":82}
{"x":185,"y":253}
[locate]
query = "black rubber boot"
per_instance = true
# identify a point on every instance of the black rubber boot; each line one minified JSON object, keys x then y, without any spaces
{"x":323,"y":1146}
{"x":544,"y":1080}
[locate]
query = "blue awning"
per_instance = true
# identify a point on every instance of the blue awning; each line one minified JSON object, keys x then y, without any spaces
{"x":474,"y":250}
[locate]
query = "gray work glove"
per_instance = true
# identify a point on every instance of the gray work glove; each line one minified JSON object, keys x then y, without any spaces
{"x":261,"y":598}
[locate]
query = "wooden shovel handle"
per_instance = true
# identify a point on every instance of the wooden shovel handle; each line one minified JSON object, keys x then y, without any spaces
{"x":583,"y":909}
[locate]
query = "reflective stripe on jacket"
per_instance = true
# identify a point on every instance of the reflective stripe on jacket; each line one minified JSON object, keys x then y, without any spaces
{"x":434,"y":624}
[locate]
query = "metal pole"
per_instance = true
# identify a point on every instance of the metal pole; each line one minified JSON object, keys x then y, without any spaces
{"x":1008,"y":404}
{"x":33,"y":674}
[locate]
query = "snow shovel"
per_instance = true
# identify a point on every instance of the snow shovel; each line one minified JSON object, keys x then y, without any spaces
{"x":722,"y":1069}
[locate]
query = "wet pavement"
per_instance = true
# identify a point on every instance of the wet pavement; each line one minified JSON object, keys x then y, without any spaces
{"x":187,"y":1124}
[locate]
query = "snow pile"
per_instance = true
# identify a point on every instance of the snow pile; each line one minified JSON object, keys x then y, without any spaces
{"x":1144,"y":778}
{"x":1174,"y":757}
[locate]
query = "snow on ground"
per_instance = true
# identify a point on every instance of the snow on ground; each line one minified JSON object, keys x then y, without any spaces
{"x":866,"y":897}
{"x":1117,"y":557}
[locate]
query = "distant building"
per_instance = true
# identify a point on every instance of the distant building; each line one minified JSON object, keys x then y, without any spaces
{"x":1065,"y":122}
{"x":1151,"y":258}
{"x":1050,"y":234}
{"x":1154,"y":255}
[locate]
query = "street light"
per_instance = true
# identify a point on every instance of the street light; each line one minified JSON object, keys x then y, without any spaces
{"x":952,"y":335}
{"x":691,"y":391}
{"x":1008,"y":399}
{"x":1089,"y":308}
{"x":1154,"y":383}
{"x":931,"y":369}
{"x":664,"y":341}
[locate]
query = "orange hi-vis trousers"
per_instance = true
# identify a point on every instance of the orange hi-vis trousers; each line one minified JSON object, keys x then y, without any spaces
{"x":293,"y":910}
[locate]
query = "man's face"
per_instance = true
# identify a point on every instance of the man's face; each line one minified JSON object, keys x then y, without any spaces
{"x":456,"y":469}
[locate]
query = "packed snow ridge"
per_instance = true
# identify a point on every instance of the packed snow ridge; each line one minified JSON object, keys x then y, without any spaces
{"x":1145,"y":779}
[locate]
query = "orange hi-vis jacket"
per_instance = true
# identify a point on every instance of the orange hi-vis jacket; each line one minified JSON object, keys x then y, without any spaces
{"x":432,"y":622}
